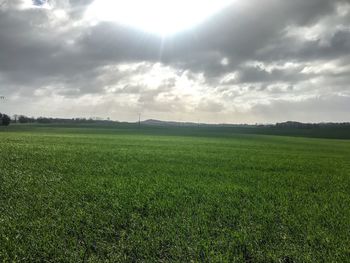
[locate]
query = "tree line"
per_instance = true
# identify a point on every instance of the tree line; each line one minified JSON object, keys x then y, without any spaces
{"x":45,"y":120}
{"x":5,"y":120}
{"x":300,"y":125}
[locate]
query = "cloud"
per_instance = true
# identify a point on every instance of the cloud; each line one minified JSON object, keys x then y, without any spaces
{"x":331,"y":108}
{"x":245,"y":63}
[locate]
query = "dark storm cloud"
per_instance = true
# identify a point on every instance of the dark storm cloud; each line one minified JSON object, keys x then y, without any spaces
{"x":274,"y":48}
{"x":111,"y":43}
{"x":241,"y":32}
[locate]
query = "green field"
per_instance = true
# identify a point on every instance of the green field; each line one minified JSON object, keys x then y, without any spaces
{"x":171,"y":195}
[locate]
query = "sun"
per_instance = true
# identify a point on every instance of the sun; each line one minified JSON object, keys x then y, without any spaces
{"x":163,"y":17}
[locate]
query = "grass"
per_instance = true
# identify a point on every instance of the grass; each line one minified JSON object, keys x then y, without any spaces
{"x":127,"y":195}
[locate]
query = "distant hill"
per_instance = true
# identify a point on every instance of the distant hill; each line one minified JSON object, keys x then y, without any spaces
{"x":287,"y":124}
{"x":191,"y":124}
{"x":169,"y":123}
{"x":152,"y":126}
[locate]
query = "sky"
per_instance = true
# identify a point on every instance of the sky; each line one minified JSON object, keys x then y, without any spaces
{"x":227,"y":61}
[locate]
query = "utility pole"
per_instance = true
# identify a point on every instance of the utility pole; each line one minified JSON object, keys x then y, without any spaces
{"x":139,"y":120}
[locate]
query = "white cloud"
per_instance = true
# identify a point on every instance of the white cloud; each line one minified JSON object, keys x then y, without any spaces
{"x":238,"y":66}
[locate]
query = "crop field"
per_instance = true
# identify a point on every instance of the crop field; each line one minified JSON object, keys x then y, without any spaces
{"x":133,"y":195}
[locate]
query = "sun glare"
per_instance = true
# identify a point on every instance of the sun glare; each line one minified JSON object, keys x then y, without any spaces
{"x":163,"y":17}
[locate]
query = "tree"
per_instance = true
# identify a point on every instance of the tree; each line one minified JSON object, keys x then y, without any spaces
{"x":25,"y":119}
{"x":4,"y":120}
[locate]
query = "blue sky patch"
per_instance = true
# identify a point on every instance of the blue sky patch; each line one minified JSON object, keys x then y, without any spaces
{"x":39,"y":2}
